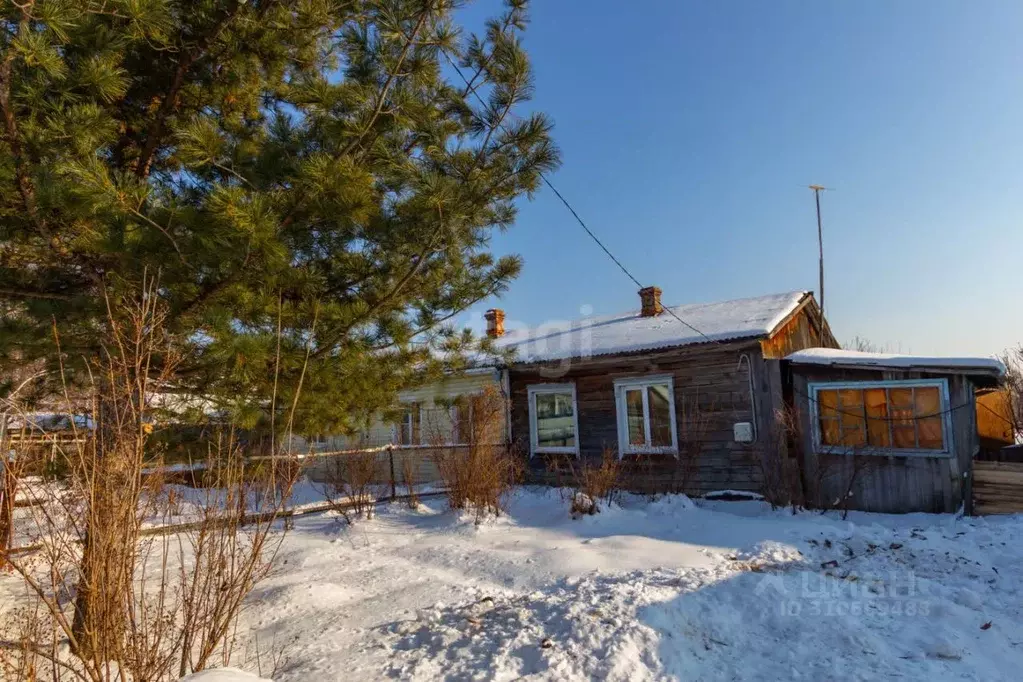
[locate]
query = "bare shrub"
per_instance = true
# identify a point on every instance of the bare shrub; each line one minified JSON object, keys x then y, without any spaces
{"x":348,"y":485}
{"x":12,"y":469}
{"x":185,"y":587}
{"x":596,"y":483}
{"x":840,"y":472}
{"x":694,"y":425}
{"x":409,"y":478}
{"x":108,"y":598}
{"x":478,"y":475}
{"x":1013,"y":361}
{"x":780,"y":482}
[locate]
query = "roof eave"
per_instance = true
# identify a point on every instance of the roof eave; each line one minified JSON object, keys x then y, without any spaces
{"x":986,"y":377}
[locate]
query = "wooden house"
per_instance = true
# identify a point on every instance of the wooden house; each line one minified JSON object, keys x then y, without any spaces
{"x":744,"y":395}
{"x":427,"y":420}
{"x":887,"y":433}
{"x":685,"y":397}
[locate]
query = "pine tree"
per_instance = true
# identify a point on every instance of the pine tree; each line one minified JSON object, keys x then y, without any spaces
{"x":316,"y":167}
{"x":311,"y":185}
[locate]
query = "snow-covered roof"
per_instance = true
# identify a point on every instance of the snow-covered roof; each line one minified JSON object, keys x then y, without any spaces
{"x":834,"y":356}
{"x":630,"y":332}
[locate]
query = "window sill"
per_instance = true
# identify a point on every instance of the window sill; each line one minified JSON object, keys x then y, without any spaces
{"x":883,"y":452}
{"x":665,"y":452}
{"x":554,"y":451}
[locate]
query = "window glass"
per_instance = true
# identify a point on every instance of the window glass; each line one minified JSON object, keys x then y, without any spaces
{"x":634,"y":416}
{"x":408,"y":427}
{"x":660,"y":415}
{"x":875,"y":402}
{"x":831,"y":434}
{"x":645,"y":415}
{"x":902,"y":417}
{"x":854,"y":427}
{"x":928,"y":401}
{"x":460,"y":422}
{"x":555,"y":420}
{"x":930,"y":433}
{"x":828,"y":401}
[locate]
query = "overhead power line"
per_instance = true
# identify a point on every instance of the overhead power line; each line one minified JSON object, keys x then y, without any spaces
{"x":471,"y":88}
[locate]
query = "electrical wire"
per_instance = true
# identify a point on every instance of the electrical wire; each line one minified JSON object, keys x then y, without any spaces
{"x":867,"y":417}
{"x":471,"y":88}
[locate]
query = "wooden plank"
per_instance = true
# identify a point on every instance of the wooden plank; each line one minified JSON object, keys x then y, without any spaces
{"x":981,"y":465}
{"x":1006,"y":478}
{"x":991,"y":509}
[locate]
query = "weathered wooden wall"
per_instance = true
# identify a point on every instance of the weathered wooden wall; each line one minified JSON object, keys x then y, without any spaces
{"x":891,"y":484}
{"x":997,"y":487}
{"x":801,"y":330}
{"x":707,"y":378}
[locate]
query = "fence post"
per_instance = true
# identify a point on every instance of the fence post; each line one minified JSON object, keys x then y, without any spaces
{"x":394,"y":485}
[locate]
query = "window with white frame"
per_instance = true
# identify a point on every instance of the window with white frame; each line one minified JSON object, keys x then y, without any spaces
{"x":646,"y":415}
{"x":553,"y":419}
{"x":882,"y":416}
{"x":409,"y":425}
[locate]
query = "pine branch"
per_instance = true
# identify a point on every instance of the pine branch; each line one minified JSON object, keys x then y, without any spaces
{"x":377,"y":304}
{"x":26,"y":188}
{"x":22,"y":293}
{"x":170,"y":101}
{"x":381,"y":99}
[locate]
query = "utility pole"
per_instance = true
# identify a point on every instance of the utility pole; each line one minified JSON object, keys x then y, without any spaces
{"x":817,"y":189}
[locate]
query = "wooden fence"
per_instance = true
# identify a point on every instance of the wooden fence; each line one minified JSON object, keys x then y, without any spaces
{"x":997,"y":487}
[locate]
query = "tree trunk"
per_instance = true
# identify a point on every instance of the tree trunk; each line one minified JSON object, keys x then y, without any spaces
{"x":110,"y":483}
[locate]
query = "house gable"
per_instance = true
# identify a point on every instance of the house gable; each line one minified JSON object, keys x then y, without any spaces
{"x":800,"y":329}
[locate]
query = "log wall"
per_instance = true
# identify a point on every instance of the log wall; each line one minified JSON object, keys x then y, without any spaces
{"x":712,"y":393}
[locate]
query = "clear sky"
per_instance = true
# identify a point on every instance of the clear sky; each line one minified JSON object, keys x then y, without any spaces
{"x":690,"y":130}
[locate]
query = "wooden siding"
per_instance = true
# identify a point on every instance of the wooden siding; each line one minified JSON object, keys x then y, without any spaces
{"x":801,"y":330}
{"x":997,"y":487}
{"x":707,"y":378}
{"x":890,"y":484}
{"x":381,"y":431}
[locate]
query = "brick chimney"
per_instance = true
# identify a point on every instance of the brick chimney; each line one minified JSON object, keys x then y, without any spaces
{"x":651,"y":298}
{"x":495,"y":322}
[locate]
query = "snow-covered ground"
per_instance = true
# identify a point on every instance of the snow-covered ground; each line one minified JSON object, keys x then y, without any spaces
{"x":668,"y":589}
{"x":660,"y":590}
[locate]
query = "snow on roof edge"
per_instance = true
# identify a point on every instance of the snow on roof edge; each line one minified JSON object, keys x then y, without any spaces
{"x":781,"y":306}
{"x":835,"y":356}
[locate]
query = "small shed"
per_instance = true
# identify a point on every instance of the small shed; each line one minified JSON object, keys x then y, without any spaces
{"x":887,"y":433}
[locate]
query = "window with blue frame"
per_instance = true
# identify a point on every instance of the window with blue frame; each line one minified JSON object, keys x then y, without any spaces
{"x":882,"y":416}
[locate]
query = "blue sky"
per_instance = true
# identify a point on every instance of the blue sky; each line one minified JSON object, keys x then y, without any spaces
{"x":690,"y":130}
